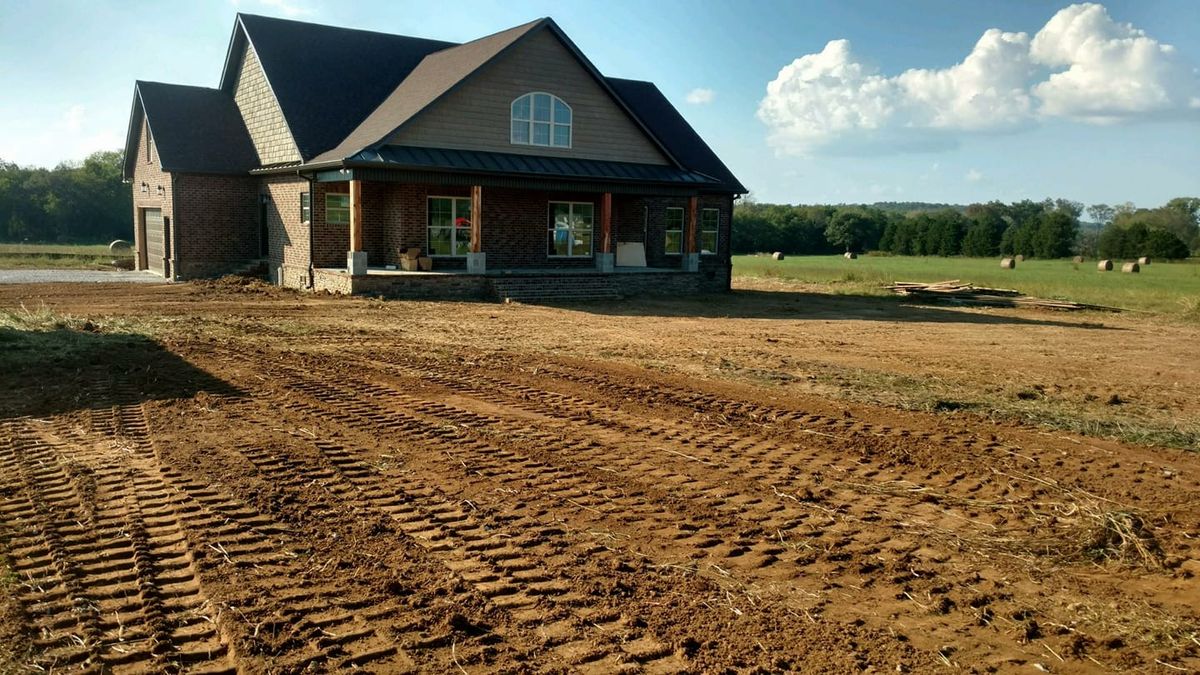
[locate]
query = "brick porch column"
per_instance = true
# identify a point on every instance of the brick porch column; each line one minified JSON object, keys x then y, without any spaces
{"x":356,"y":258}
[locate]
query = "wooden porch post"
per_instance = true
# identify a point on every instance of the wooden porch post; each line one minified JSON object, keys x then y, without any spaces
{"x":476,"y":219}
{"x":691,"y":255}
{"x":356,"y":257}
{"x":476,"y":258}
{"x":690,"y":240}
{"x":356,"y":227}
{"x":606,"y":223}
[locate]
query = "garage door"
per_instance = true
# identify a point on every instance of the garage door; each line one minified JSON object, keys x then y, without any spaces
{"x":153,"y":220}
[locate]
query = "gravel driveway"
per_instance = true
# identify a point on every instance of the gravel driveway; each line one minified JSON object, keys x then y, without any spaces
{"x":77,"y":277}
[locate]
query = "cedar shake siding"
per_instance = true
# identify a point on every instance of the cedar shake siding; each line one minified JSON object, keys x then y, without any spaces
{"x":476,"y":115}
{"x":264,"y":120}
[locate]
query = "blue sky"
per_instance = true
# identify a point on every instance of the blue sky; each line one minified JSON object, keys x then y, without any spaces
{"x":1093,"y":103}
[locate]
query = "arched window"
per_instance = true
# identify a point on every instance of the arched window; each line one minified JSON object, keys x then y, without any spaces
{"x":541,"y":119}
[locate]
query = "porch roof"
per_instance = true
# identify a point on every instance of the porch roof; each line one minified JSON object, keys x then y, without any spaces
{"x":476,"y":161}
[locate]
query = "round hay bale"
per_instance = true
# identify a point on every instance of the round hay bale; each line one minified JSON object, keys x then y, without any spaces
{"x":777,"y":255}
{"x":1131,"y":268}
{"x":1144,"y":260}
{"x":850,"y":255}
{"x":1077,"y":259}
{"x":120,"y":247}
{"x":1104,"y":265}
{"x":1020,"y":258}
{"x":1008,"y":264}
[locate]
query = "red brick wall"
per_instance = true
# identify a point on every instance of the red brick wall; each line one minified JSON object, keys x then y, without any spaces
{"x":649,"y":215}
{"x":148,"y":171}
{"x":287,"y":249}
{"x":216,"y":223}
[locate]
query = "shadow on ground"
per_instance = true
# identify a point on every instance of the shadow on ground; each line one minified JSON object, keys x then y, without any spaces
{"x":802,"y":306}
{"x":48,"y":372}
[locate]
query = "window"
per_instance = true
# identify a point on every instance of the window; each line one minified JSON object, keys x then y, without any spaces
{"x":305,"y":207}
{"x":571,"y":229}
{"x":710,"y":221}
{"x":449,"y":226}
{"x":541,"y":119}
{"x":337,"y":209}
{"x":674,"y":243}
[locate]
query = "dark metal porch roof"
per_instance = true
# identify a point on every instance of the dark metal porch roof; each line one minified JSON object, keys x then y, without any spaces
{"x":475,"y":161}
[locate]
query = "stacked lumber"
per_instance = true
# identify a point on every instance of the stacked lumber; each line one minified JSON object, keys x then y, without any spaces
{"x":958,"y":293}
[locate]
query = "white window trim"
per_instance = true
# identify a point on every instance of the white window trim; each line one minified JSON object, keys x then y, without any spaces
{"x":682,"y":228}
{"x":453,"y":228}
{"x":716,"y":232}
{"x":349,"y":207}
{"x":304,"y":221}
{"x":550,"y":228}
{"x":529,"y":128}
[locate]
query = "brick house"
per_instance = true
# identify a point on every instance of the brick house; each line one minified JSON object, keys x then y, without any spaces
{"x":332,"y":155}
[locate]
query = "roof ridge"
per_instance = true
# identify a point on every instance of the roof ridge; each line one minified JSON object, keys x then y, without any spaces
{"x":356,"y":30}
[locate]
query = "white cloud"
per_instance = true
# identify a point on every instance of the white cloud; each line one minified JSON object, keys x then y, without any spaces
{"x":1113,"y":70}
{"x":832,"y":102}
{"x":974,"y":176}
{"x":701,"y":96}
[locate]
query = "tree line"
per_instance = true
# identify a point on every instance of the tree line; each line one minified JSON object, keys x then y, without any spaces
{"x":75,"y":202}
{"x":1044,"y":229}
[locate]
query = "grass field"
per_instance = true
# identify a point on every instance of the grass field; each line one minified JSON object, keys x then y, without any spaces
{"x":1167,"y":288}
{"x":47,"y":256}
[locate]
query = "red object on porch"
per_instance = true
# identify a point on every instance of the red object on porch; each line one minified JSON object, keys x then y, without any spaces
{"x":606,"y":223}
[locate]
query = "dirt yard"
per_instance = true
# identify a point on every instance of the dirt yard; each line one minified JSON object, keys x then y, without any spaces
{"x":222,"y":477}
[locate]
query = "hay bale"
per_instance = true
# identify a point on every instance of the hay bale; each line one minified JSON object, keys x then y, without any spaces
{"x":1104,"y":265}
{"x":1077,"y":259}
{"x":1008,"y":264}
{"x":120,"y":247}
{"x":1020,"y":258}
{"x":850,"y":255}
{"x":1131,"y":268}
{"x":777,"y":255}
{"x":1144,"y":260}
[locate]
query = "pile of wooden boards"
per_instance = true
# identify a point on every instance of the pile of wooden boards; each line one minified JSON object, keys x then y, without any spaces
{"x":958,"y":293}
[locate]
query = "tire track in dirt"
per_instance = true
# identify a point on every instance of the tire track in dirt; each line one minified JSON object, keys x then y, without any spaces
{"x":489,"y":469}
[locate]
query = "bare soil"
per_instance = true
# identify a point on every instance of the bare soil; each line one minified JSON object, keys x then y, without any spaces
{"x":273,"y":482}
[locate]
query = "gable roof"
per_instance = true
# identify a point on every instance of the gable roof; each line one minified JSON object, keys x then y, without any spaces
{"x":195,"y":129}
{"x":442,"y":72}
{"x":326,"y":79}
{"x":665,"y":122}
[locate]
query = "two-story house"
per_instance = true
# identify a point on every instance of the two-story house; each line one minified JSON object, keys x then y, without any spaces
{"x":332,"y":153}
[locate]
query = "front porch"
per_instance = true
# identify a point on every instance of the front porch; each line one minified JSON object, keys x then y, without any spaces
{"x":528,"y":284}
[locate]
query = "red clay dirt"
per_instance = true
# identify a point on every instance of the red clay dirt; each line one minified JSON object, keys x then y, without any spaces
{"x":281,"y":483}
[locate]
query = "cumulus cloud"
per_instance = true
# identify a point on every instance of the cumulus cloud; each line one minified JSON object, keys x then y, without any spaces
{"x":1080,"y":65}
{"x":284,"y":7}
{"x":701,"y":96}
{"x":974,"y":176}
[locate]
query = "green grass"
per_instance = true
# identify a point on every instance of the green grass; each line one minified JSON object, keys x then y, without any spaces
{"x":1166,"y":288}
{"x":56,"y":256}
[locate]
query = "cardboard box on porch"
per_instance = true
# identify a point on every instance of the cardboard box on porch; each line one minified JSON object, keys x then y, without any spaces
{"x":409,"y":264}
{"x":412,"y":253}
{"x":425,"y":263}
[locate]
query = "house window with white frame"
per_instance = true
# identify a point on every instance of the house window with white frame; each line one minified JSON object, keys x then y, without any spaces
{"x":305,"y":208}
{"x":543,"y":119}
{"x":337,"y":208}
{"x":449,"y":226}
{"x":710,"y":223}
{"x":570,"y":231}
{"x":674,"y":240}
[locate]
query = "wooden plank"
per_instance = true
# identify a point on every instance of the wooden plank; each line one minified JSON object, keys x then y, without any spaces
{"x":356,"y":224}
{"x":606,"y":223}
{"x":476,"y":218}
{"x":693,"y":213}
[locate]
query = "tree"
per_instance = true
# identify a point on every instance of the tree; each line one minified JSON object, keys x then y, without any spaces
{"x":1165,"y":245}
{"x":849,"y":228}
{"x":1055,"y":234}
{"x":1101,"y":213}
